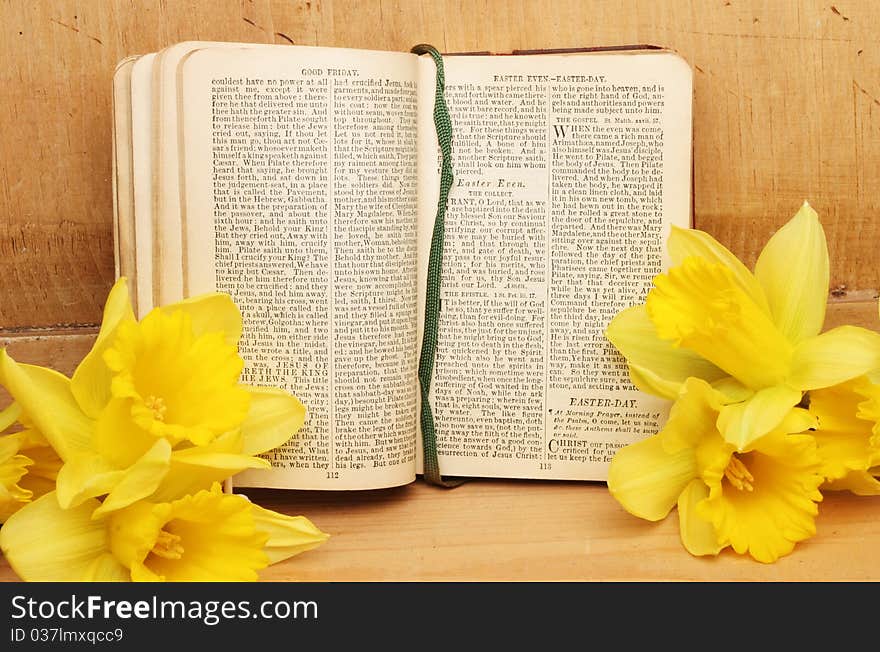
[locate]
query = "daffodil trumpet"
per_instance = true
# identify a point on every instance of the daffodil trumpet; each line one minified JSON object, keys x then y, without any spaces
{"x":848,"y":435}
{"x":760,"y":500}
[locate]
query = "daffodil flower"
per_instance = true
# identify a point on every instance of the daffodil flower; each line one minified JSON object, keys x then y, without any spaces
{"x":208,"y":536}
{"x":28,"y":465}
{"x":155,"y":409}
{"x":848,"y":435}
{"x":761,"y":500}
{"x":754,"y":336}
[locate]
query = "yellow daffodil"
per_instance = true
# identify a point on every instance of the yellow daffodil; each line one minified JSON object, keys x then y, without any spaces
{"x":28,"y":465}
{"x":155,"y":409}
{"x":761,"y":499}
{"x":173,"y":383}
{"x":848,"y":435}
{"x":208,"y":536}
{"x":754,"y":336}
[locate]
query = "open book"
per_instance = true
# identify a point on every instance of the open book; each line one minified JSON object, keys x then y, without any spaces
{"x":304,"y":181}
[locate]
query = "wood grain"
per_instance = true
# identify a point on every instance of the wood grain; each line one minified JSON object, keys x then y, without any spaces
{"x":787,"y":108}
{"x":524,"y":530}
{"x":493,"y":530}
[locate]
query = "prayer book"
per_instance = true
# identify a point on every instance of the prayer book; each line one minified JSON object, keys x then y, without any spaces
{"x":306,"y":181}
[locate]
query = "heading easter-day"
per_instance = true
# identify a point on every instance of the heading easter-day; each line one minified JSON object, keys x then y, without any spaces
{"x":581,"y":79}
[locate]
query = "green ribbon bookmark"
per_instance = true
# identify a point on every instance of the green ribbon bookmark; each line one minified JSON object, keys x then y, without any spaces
{"x":443,"y":125}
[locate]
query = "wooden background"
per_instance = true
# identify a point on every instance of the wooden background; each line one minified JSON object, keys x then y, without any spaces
{"x":787,"y":108}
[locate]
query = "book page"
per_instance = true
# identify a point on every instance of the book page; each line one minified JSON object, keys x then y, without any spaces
{"x":300,"y":201}
{"x":123,"y":197}
{"x":569,"y":171}
{"x":142,"y":139}
{"x":169,"y":281}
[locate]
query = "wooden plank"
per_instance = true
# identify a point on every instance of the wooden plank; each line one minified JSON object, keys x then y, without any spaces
{"x":786,"y":109}
{"x":59,"y":350}
{"x":524,"y":530}
{"x":521,"y":530}
{"x":530,"y":530}
{"x":857,"y":313}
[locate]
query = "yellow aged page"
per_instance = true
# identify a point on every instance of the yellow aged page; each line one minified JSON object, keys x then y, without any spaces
{"x":123,"y":200}
{"x":300,"y":201}
{"x":165,"y":159}
{"x":142,"y":138}
{"x":569,"y":171}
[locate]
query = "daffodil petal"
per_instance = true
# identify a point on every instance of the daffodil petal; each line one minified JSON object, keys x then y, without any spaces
{"x":90,"y":384}
{"x":106,"y":568}
{"x":646,"y":480}
{"x":699,"y":306}
{"x":140,"y":480}
{"x":633,"y":334}
{"x":199,"y":467}
{"x":83,"y":477}
{"x":684,"y":243}
{"x":45,"y":396}
{"x":273,"y":418}
{"x":140,"y":573}
{"x":44,"y":543}
{"x":650,"y":383}
{"x":697,"y":534}
{"x":691,"y":417}
{"x":210,"y":313}
{"x":743,"y":423}
{"x":793,"y":270}
{"x":797,"y":421}
{"x":31,"y":439}
{"x":9,"y":416}
{"x":834,"y":357}
{"x":225,"y":461}
{"x":732,"y":390}
{"x":288,"y":535}
{"x":861,"y":483}
{"x":117,"y":437}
